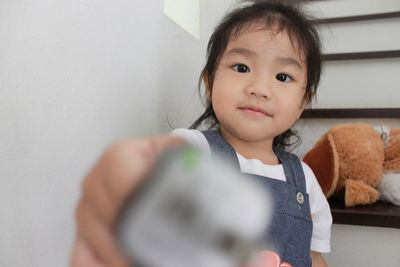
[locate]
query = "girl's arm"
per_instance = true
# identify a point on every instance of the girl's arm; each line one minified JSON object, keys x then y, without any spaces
{"x":318,"y":260}
{"x":104,"y":190}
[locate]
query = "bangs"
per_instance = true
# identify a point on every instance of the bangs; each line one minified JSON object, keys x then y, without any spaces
{"x":277,"y":23}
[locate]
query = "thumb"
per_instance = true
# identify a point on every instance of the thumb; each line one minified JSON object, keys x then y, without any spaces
{"x":134,"y":162}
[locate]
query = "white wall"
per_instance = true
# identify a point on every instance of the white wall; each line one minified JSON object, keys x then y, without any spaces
{"x":364,"y":246}
{"x":76,"y":75}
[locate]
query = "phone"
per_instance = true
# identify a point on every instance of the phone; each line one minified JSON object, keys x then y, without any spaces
{"x":194,"y":211}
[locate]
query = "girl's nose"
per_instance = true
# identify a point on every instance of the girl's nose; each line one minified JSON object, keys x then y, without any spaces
{"x":260,"y":87}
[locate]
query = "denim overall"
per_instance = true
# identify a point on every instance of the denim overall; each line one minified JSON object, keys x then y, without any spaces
{"x":291,"y":226}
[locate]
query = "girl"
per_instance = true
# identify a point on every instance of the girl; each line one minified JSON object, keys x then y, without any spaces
{"x":263,"y":67}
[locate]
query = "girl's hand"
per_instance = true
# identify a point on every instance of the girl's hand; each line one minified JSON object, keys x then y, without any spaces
{"x":318,"y":260}
{"x":268,"y":258}
{"x":105,"y":189}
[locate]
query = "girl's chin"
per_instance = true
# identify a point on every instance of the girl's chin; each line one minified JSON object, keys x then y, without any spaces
{"x":254,"y":135}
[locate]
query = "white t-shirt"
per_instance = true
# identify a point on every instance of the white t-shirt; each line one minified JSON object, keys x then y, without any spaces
{"x":320,"y":211}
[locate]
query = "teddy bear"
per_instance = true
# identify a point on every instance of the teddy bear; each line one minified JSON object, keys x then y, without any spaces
{"x":358,"y":163}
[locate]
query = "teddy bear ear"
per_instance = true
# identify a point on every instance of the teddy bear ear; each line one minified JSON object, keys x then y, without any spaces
{"x":392,"y":151}
{"x":324,"y":161}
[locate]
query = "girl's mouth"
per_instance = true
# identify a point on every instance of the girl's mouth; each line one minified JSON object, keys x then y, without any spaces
{"x":255,"y":111}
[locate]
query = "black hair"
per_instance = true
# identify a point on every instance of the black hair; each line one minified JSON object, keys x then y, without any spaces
{"x":285,"y":17}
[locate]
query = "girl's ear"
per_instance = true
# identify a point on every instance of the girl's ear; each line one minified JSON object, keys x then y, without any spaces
{"x":305,"y":103}
{"x":208,"y":94}
{"x":207,"y":85}
{"x":300,"y":112}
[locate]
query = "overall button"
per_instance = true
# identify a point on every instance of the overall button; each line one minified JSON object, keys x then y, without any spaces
{"x":300,"y":198}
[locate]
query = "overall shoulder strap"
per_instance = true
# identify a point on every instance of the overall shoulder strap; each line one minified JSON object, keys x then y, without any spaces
{"x":219,"y":146}
{"x":293,"y":169}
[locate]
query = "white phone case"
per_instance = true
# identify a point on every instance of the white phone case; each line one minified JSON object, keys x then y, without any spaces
{"x":194,"y":211}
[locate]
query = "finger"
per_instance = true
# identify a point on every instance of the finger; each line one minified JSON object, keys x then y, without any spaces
{"x":163,"y":142}
{"x":96,"y":194}
{"x":136,"y":165}
{"x":82,"y":256}
{"x":99,"y":238}
{"x":118,"y":172}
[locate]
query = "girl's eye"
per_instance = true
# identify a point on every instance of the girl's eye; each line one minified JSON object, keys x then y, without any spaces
{"x":283,"y":77}
{"x":241,"y":68}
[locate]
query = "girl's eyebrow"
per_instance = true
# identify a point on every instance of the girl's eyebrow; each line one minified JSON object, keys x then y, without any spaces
{"x":288,"y":61}
{"x":242,"y":51}
{"x":250,"y":53}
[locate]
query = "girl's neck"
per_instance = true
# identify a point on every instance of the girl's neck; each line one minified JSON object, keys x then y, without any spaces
{"x":261,"y":150}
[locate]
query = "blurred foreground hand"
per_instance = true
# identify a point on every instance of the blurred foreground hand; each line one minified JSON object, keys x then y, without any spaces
{"x":104,"y":191}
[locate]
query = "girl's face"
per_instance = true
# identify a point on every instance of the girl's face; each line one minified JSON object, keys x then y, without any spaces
{"x":259,"y":86}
